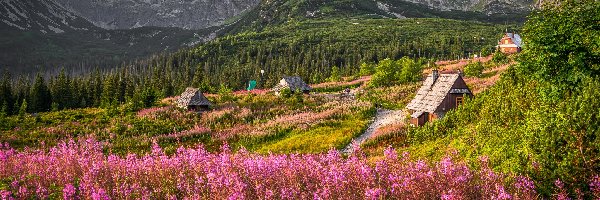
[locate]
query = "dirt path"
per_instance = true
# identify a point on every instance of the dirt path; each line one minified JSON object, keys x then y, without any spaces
{"x":383,"y":118}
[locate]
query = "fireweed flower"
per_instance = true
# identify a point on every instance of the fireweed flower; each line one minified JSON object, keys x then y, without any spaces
{"x":194,"y":173}
{"x":595,"y":186}
{"x":69,"y":192}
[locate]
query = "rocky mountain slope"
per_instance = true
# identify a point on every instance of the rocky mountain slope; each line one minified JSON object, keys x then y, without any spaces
{"x":44,"y":16}
{"x":42,"y":35}
{"x":187,"y":14}
{"x":486,"y":6}
{"x":47,"y":34}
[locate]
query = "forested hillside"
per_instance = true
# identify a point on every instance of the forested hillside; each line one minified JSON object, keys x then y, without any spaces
{"x":306,"y":48}
{"x":542,"y":118}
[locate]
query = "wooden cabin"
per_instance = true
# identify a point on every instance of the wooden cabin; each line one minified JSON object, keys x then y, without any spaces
{"x":294,"y":83}
{"x":192,"y":99}
{"x":439,"y":94}
{"x":510,"y":43}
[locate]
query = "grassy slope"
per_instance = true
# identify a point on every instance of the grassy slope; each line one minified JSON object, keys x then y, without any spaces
{"x":517,"y":131}
{"x":259,"y":122}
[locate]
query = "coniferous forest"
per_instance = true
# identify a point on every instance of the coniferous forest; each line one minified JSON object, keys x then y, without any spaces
{"x":309,"y":49}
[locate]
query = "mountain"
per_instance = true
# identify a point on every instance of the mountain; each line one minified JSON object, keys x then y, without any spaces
{"x":486,"y":6}
{"x":50,"y":34}
{"x":281,"y":11}
{"x":42,"y":35}
{"x":187,"y":14}
{"x":39,"y":15}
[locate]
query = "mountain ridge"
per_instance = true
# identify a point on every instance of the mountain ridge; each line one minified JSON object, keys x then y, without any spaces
{"x":127,"y":14}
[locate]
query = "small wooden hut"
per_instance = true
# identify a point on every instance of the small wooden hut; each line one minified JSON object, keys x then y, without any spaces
{"x":193,"y":99}
{"x":294,"y":83}
{"x":439,"y":94}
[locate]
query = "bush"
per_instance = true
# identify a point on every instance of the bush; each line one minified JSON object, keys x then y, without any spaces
{"x":225,"y":93}
{"x":486,"y":51}
{"x":335,"y":75}
{"x":389,"y":72}
{"x":411,"y":70}
{"x":385,"y":73}
{"x":499,"y":58}
{"x":474,"y":69}
{"x":285,"y":93}
{"x":367,"y":69}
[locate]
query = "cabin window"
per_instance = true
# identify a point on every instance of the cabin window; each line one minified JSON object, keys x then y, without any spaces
{"x":505,"y":41}
{"x":459,"y":101}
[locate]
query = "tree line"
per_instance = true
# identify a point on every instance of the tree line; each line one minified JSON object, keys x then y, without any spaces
{"x":314,"y":50}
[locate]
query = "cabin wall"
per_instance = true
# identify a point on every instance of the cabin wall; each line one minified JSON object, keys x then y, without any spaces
{"x":421,"y":120}
{"x":198,"y":108}
{"x":510,"y":50}
{"x":449,"y":101}
{"x":506,"y":40}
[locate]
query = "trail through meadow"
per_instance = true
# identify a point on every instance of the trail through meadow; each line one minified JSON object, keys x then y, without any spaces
{"x":383,"y":118}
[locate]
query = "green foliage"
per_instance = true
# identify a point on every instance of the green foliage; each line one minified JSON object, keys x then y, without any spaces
{"x":474,"y":69}
{"x":335,"y":75}
{"x":23,"y":109}
{"x":225,"y":93}
{"x":486,"y":51}
{"x":295,"y":98}
{"x":40,"y":96}
{"x":541,"y":117}
{"x":148,"y":97}
{"x":62,"y":91}
{"x":366,"y":69}
{"x":6,"y":94}
{"x":499,"y":58}
{"x":285,"y":93}
{"x":389,"y":72}
{"x":563,"y":43}
{"x":412,"y":71}
{"x":385,"y":73}
{"x":565,"y":137}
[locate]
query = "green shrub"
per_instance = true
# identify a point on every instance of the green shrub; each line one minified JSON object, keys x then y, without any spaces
{"x":474,"y":69}
{"x":499,"y":58}
{"x":385,"y":73}
{"x":486,"y":51}
{"x":411,"y":71}
{"x":366,"y":69}
{"x":389,"y":72}
{"x":285,"y":93}
{"x":225,"y":93}
{"x":335,"y":75}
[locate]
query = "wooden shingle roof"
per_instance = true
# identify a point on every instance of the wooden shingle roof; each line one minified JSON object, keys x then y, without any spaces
{"x":294,"y":83}
{"x":432,"y":94}
{"x":192,"y":97}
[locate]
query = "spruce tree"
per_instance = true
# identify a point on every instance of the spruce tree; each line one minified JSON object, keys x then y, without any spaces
{"x":6,"y":95}
{"x":40,"y":97}
{"x":62,"y":91}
